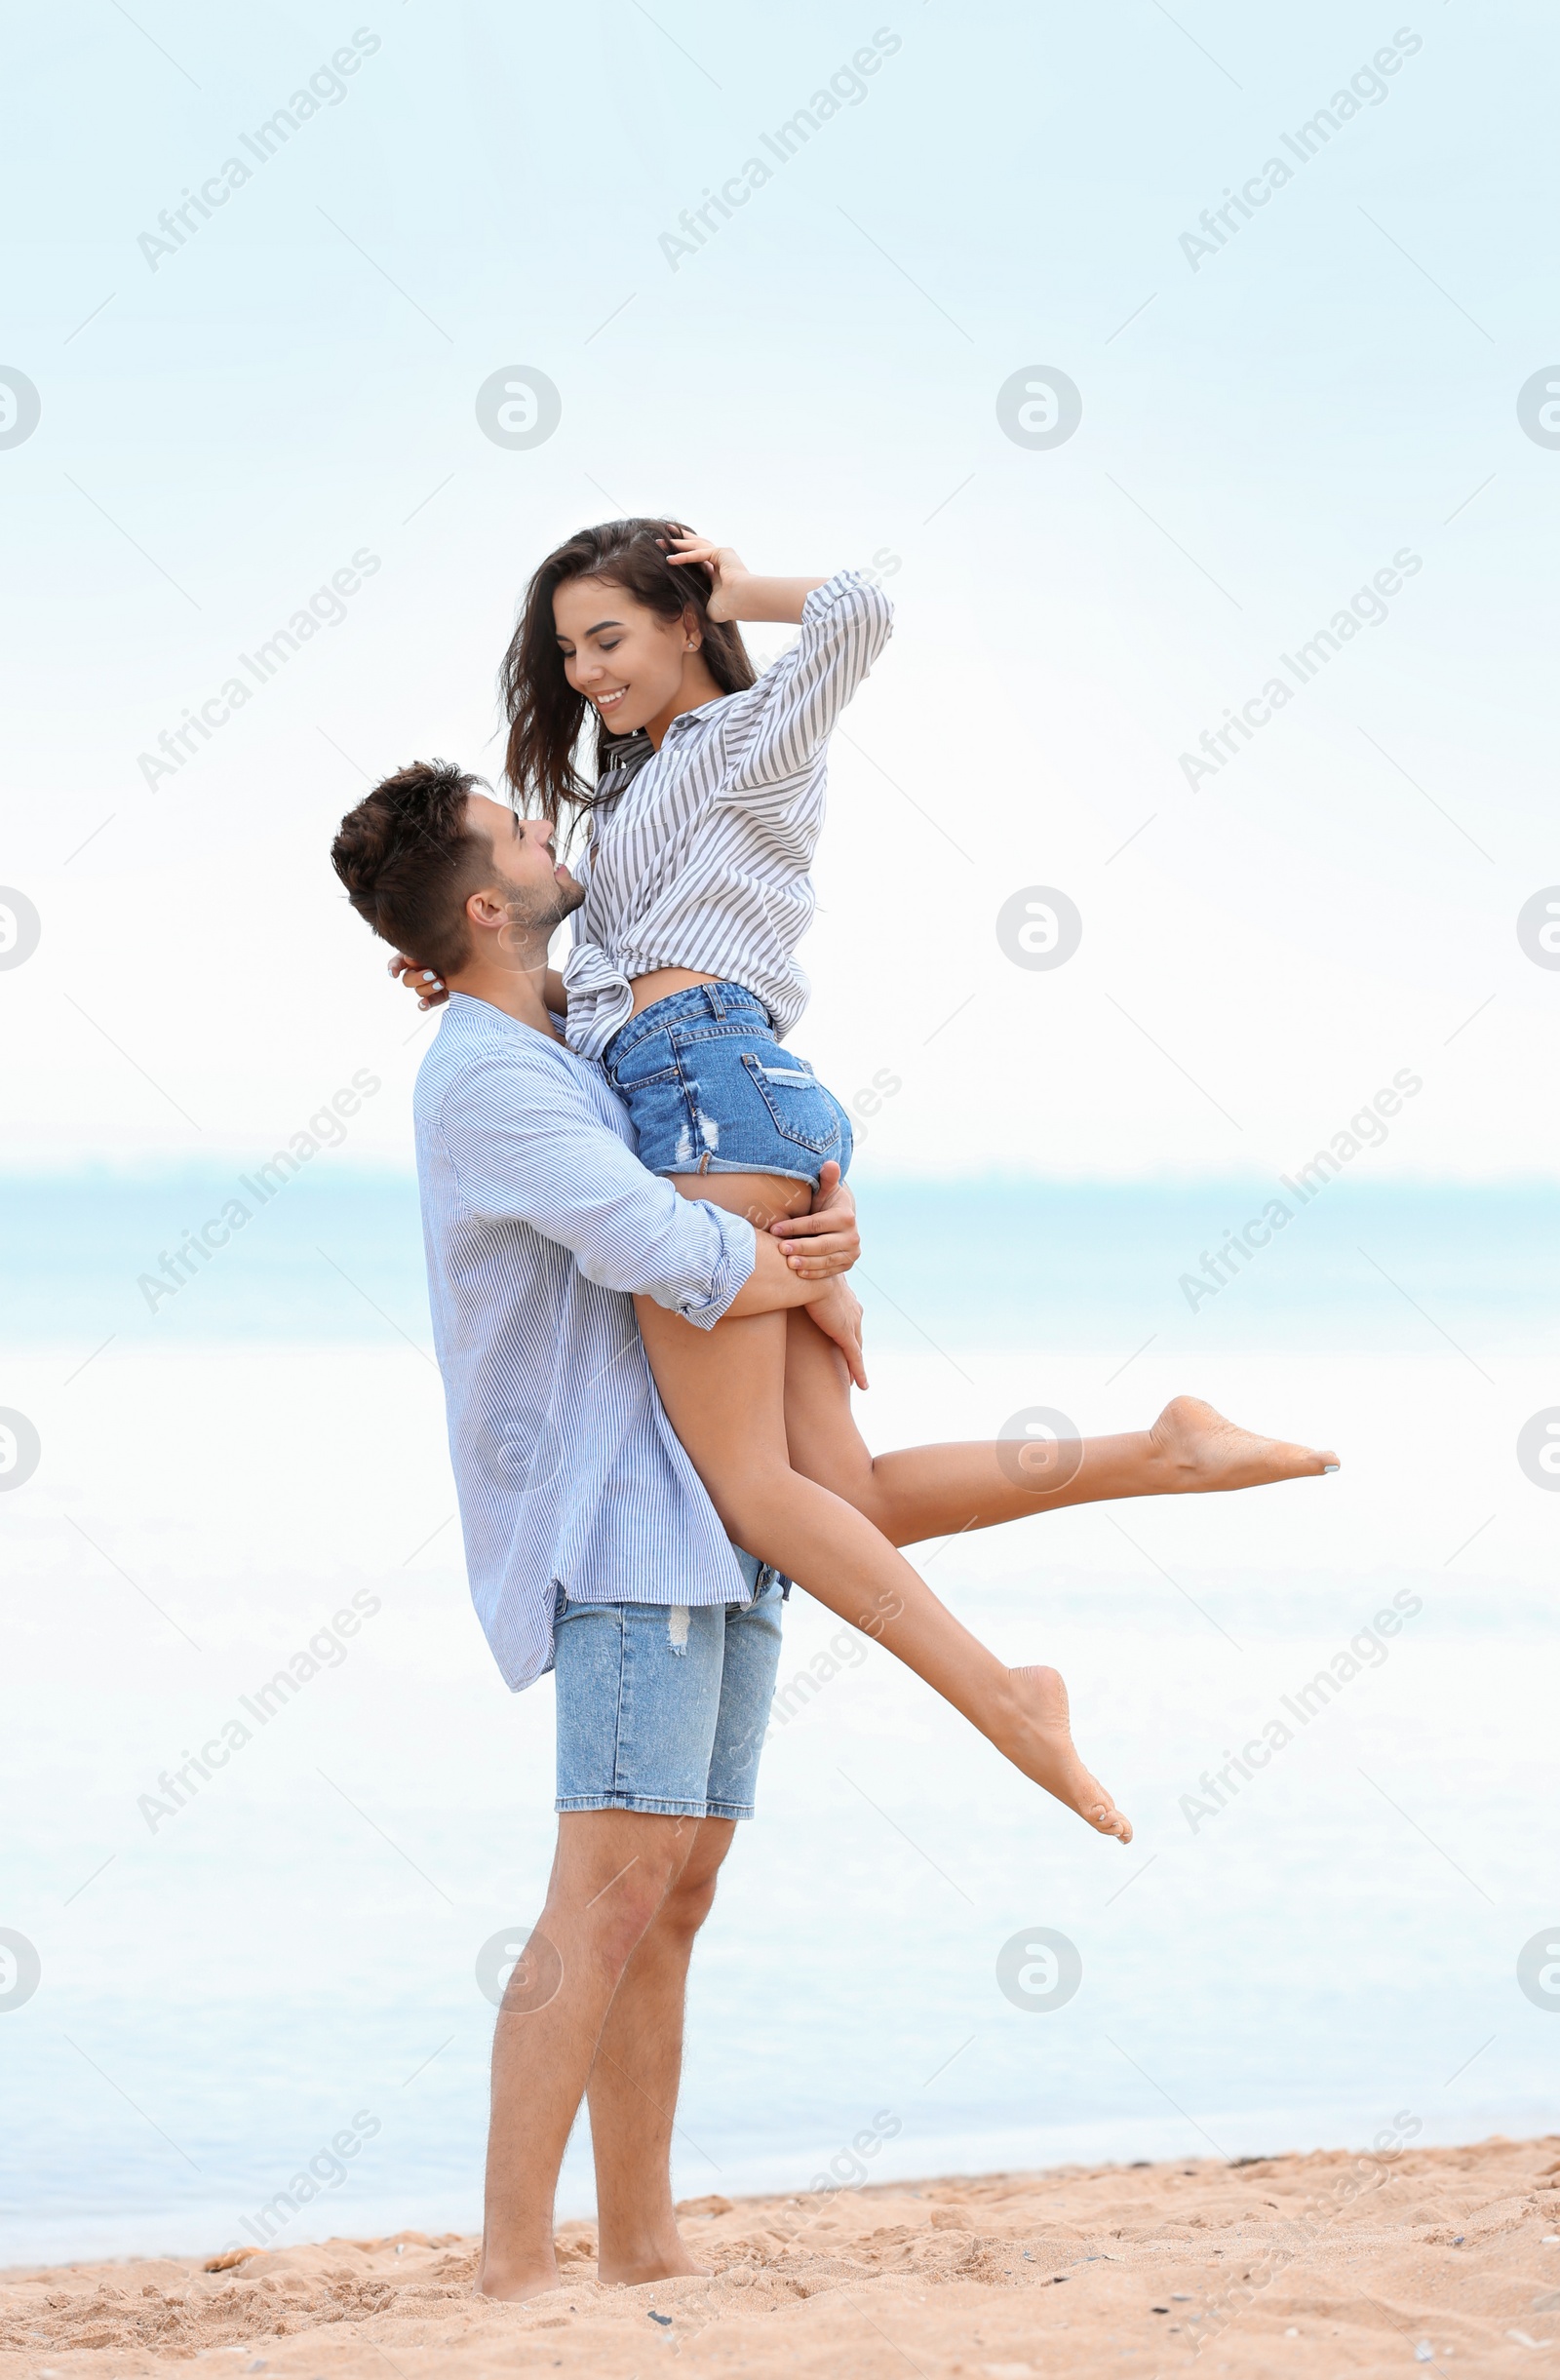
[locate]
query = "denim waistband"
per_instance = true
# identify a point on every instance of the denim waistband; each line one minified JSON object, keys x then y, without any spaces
{"x":698,"y":1004}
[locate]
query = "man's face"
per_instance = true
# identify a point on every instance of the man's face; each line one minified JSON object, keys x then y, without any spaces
{"x":529,"y":877}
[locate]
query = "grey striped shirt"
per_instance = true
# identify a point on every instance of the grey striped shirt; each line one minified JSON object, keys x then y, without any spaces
{"x":538,"y":1222}
{"x":700,"y":852}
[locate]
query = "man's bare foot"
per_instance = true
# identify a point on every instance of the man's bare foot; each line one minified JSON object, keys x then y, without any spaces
{"x":1199,"y":1452}
{"x":624,"y":2274}
{"x":1042,"y":1745}
{"x":517,"y":2282}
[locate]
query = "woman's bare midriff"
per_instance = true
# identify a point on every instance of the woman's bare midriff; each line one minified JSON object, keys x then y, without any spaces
{"x":662,"y":982}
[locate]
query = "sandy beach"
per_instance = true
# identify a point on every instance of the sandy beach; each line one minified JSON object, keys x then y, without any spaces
{"x":1330,"y":2263}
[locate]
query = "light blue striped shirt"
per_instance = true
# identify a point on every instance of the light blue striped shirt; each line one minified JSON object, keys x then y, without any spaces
{"x":539,"y":1223}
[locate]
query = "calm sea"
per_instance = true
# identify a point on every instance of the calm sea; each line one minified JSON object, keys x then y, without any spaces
{"x":1355,"y":1935}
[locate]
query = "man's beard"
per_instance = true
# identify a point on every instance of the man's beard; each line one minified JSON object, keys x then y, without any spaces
{"x":535,"y":913}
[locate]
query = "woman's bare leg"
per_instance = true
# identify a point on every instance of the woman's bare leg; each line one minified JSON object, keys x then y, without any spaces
{"x":725,"y":1396}
{"x":920,"y":1492}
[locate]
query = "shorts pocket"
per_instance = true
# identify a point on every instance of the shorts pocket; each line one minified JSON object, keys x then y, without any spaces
{"x":799,"y":1107}
{"x":653,"y":1060}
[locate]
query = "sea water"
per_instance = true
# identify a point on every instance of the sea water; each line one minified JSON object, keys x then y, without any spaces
{"x":262,"y":2014}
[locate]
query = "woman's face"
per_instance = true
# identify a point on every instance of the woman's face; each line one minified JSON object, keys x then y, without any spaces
{"x":620,"y":656}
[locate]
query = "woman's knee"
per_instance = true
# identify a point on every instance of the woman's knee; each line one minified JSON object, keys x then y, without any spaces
{"x":753,"y":1502}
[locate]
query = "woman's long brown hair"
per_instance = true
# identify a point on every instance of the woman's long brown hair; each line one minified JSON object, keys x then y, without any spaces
{"x":546,"y":716}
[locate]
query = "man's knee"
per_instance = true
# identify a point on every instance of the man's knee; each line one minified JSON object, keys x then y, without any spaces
{"x":609,"y":1909}
{"x":613,"y":1933}
{"x":688,"y":1904}
{"x":612,"y":1927}
{"x":690,"y":1896}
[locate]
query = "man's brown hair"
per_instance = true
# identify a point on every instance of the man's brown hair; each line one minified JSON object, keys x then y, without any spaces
{"x":411,"y":862}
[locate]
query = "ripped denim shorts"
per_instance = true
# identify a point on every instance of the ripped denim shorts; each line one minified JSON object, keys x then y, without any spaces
{"x":665,"y":1709}
{"x":711,"y":1090}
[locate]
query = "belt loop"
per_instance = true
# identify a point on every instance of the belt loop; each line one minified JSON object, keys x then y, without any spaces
{"x":712,"y":996}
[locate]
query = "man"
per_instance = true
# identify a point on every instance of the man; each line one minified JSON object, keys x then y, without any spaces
{"x":590,"y":1543}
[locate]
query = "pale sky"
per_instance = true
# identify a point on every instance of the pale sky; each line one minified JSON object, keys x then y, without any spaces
{"x":226,"y":421}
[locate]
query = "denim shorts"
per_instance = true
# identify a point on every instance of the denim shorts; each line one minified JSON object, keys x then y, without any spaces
{"x":711,"y":1091}
{"x":662,"y":1708}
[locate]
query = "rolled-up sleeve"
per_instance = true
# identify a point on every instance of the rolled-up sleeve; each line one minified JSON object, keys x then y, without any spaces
{"x":777,"y":727}
{"x":550,"y":1162}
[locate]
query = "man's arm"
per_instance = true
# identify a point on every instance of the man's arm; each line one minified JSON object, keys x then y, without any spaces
{"x":525,"y":1142}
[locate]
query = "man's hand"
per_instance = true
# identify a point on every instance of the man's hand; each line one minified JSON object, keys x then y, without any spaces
{"x":828,"y":1238}
{"x":837,"y":1314}
{"x":429,"y":987}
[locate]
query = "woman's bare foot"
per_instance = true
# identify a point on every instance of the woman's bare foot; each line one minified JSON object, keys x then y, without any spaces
{"x":1042,"y":1745}
{"x":1201,"y":1451}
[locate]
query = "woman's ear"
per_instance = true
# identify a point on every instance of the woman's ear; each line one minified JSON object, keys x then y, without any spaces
{"x":692,"y":633}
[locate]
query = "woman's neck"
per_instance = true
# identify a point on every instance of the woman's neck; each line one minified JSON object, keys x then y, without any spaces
{"x":698,"y":687}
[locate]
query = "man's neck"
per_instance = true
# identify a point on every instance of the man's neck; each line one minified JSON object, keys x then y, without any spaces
{"x":515,"y":988}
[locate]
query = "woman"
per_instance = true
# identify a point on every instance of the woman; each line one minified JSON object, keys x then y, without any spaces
{"x":704,"y":812}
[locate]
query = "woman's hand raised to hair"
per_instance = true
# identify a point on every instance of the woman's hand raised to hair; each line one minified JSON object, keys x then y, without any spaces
{"x":723,"y":565}
{"x":736,"y":593}
{"x":429,"y":987}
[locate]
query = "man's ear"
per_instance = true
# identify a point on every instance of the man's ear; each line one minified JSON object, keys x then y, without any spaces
{"x":485,"y":910}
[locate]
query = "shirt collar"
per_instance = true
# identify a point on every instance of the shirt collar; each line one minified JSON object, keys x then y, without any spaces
{"x":685,"y":719}
{"x":623,"y":765}
{"x":636,"y":751}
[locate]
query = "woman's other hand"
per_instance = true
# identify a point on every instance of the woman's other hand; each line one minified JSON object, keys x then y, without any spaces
{"x":828,"y":1238}
{"x":429,"y":987}
{"x":722,"y":565}
{"x":837,"y":1314}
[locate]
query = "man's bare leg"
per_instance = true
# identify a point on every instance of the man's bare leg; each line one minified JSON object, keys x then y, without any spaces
{"x":634,"y":2081}
{"x":920,"y":1492}
{"x":610,"y":1876}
